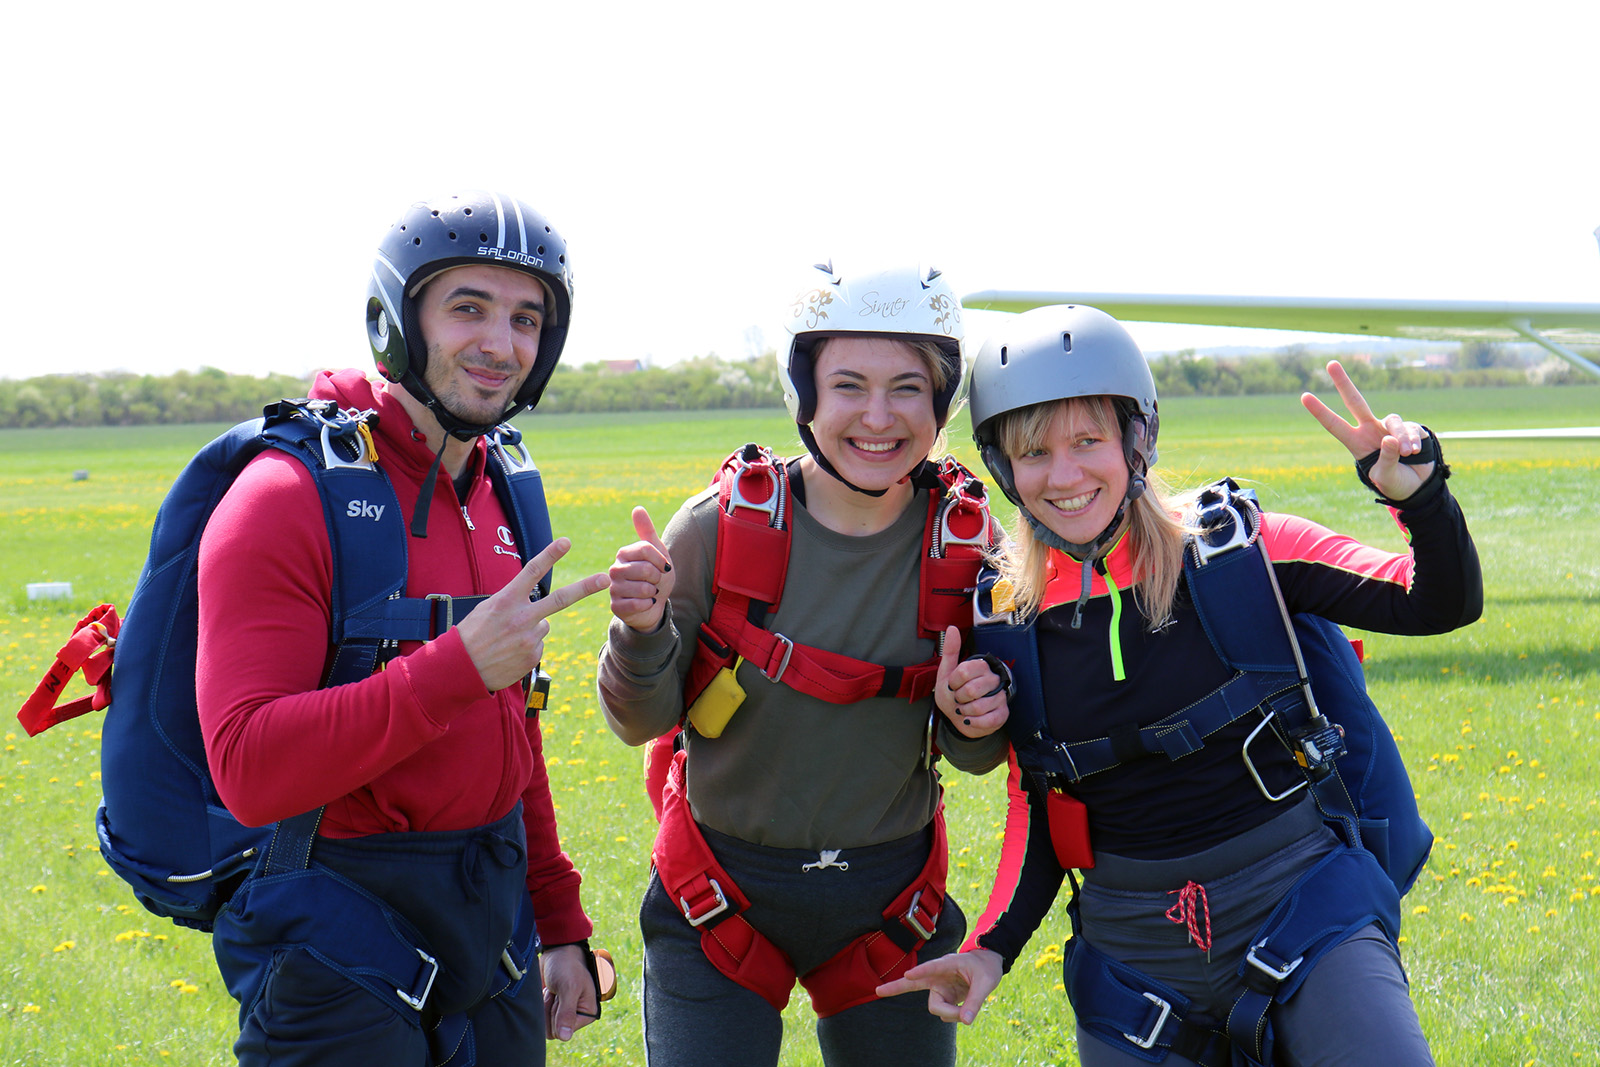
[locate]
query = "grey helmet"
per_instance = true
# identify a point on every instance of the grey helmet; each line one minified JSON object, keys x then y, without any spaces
{"x":1057,"y":353}
{"x":453,"y":231}
{"x":905,"y":303}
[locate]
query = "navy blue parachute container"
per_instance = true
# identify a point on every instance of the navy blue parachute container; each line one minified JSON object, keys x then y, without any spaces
{"x":161,"y":825}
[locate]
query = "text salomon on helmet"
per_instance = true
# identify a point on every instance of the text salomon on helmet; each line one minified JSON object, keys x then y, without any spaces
{"x":1056,"y":353}
{"x":454,"y":231}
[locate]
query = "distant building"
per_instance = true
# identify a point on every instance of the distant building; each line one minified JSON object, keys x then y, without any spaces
{"x":621,"y":366}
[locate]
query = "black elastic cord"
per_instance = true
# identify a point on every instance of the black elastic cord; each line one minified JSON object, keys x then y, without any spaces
{"x":419,"y":517}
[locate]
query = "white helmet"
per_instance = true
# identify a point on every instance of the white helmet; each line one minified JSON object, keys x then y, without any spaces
{"x":908,"y":304}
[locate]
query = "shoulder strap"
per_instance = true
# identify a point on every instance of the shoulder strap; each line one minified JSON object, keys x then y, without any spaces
{"x":1236,"y":597}
{"x":520,"y":487}
{"x":751,"y":568}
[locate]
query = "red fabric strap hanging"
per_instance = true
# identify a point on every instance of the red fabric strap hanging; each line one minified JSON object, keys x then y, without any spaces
{"x":90,"y":649}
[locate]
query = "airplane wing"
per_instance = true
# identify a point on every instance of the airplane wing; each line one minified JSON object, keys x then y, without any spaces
{"x":1551,"y":326}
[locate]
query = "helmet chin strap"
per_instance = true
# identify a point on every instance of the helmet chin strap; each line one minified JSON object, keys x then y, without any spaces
{"x":810,"y":441}
{"x":1092,"y":550}
{"x":453,"y":426}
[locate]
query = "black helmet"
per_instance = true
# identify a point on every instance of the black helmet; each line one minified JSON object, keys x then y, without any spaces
{"x":454,"y":231}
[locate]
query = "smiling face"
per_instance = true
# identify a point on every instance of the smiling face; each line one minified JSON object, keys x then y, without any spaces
{"x":481,"y":325}
{"x":1074,"y":476}
{"x":874,"y":419}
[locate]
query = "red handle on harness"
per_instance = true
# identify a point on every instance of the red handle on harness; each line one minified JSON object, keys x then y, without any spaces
{"x":90,"y":649}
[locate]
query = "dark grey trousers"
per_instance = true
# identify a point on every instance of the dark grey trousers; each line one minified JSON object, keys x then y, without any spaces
{"x":1354,"y":1010}
{"x":694,"y":1016}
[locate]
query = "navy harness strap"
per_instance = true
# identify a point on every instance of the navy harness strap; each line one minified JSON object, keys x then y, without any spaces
{"x":369,"y":567}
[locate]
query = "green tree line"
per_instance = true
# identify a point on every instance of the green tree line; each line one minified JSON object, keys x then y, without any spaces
{"x":708,"y":383}
{"x":1296,"y":369}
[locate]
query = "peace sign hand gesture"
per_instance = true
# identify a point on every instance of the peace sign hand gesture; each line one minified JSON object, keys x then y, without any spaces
{"x":505,"y":634}
{"x":1390,"y":438}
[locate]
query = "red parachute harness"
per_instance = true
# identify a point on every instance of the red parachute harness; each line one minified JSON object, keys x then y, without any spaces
{"x":751,"y":565}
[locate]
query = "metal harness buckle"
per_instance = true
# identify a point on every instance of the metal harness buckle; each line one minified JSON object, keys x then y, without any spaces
{"x":1277,"y":974}
{"x":737,"y":498}
{"x":1155,"y":1030}
{"x":913,"y":918}
{"x":947,"y":537}
{"x":788,"y":651}
{"x":722,"y":905}
{"x":343,"y":423}
{"x":1244,"y":750}
{"x":449,"y":612}
{"x":433,"y":972}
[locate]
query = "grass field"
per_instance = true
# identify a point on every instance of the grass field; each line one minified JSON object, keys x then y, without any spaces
{"x":1498,"y":723}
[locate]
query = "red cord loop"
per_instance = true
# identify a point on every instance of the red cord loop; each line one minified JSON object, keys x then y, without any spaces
{"x":1184,"y":913}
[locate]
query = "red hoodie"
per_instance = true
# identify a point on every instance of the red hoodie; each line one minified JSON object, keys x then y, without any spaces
{"x":419,"y":746}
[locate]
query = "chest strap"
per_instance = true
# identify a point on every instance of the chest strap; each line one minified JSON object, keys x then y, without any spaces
{"x":712,"y":903}
{"x":751,"y":568}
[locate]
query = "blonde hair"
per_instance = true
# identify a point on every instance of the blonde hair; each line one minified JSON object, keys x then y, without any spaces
{"x":1152,"y":523}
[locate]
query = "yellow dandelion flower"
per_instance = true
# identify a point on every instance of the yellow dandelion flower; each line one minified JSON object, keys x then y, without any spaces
{"x":1467,"y":918}
{"x":31,"y":1009}
{"x":65,"y":946}
{"x":1420,"y":909}
{"x":38,"y":889}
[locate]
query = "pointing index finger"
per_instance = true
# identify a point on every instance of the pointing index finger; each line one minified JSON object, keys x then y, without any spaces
{"x":527,"y":579}
{"x":568,"y":595}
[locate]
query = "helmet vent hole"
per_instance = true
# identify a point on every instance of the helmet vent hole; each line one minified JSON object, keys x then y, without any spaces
{"x":541,"y":250}
{"x":416,"y":240}
{"x":1004,"y":358}
{"x":452,"y":235}
{"x":435,"y":212}
{"x":466,"y":211}
{"x":1066,"y":342}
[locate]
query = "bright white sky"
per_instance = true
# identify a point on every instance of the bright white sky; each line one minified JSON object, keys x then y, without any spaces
{"x":203,"y":184}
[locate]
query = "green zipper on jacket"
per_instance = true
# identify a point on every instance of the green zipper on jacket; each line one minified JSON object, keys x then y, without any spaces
{"x":1117,"y":672}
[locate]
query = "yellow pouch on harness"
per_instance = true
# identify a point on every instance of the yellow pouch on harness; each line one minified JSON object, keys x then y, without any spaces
{"x":717,"y":702}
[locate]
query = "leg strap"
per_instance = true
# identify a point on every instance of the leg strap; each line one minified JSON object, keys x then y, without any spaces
{"x":852,"y":976}
{"x":711,"y":902}
{"x":1143,"y":1017}
{"x":1344,"y":892}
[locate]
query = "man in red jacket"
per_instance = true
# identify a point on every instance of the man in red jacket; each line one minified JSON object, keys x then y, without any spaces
{"x":430,"y":774}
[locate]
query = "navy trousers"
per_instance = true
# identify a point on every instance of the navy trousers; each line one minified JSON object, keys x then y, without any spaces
{"x":395,"y":950}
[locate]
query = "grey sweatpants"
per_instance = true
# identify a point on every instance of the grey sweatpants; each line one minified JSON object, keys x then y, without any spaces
{"x":694,"y":1016}
{"x":1354,"y":1010}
